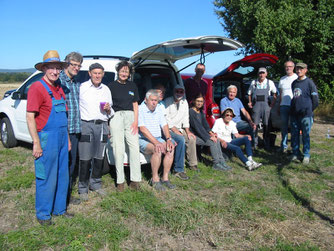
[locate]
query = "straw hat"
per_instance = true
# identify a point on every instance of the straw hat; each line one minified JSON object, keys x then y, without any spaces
{"x":50,"y":57}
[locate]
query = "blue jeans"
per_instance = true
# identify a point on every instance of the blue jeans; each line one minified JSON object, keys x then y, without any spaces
{"x":244,"y":126}
{"x":179,"y":152}
{"x":235,"y":144}
{"x":284,"y":114}
{"x":304,"y":124}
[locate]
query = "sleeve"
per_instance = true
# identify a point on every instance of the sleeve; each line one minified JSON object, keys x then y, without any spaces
{"x":205,"y":123}
{"x":222,"y":105}
{"x":215,"y":127}
{"x":110,"y":102}
{"x":136,"y":94}
{"x":234,"y":127}
{"x":240,"y":104}
{"x":35,"y":98}
{"x":185,"y":121}
{"x":250,"y":89}
{"x":272,"y":87}
{"x":314,"y":95}
{"x":162,"y":118}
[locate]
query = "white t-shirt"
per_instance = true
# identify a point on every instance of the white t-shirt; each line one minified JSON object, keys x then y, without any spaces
{"x":285,"y":88}
{"x":224,"y":131}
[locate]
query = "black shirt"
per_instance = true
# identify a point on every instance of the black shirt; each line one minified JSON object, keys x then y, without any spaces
{"x":123,"y":95}
{"x":198,"y":125}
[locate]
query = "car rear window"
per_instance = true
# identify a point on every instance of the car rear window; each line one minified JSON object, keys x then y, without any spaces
{"x":83,"y":76}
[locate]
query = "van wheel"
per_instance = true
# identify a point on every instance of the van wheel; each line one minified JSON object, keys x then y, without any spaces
{"x":7,"y":135}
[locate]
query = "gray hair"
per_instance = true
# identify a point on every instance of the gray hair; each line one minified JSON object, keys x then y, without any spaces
{"x":75,"y":56}
{"x":151,"y":92}
{"x":231,"y":87}
{"x":290,"y":62}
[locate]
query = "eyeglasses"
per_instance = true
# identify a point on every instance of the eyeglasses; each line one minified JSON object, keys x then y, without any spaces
{"x":75,"y":65}
{"x":228,"y":115}
{"x":179,"y":91}
{"x":124,"y":71}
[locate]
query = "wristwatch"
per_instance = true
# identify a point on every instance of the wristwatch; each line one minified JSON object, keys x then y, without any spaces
{"x":168,"y":138}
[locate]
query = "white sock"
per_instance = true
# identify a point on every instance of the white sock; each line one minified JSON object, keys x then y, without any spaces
{"x":250,"y":158}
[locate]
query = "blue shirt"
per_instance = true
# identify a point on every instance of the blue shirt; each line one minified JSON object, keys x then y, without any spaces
{"x":235,"y":104}
{"x":72,"y":90}
{"x":153,"y":121}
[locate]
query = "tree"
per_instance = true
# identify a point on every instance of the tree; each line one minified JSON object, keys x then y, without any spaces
{"x":300,"y":30}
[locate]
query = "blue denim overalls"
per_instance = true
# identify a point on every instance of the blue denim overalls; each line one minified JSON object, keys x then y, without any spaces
{"x":51,"y":169}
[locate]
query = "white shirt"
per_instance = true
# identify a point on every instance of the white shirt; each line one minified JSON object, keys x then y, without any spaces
{"x":285,"y":87}
{"x":224,"y":131}
{"x":177,"y":115}
{"x":90,"y":98}
{"x":257,"y":85}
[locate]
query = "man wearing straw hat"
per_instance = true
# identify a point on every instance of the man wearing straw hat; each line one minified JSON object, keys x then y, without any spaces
{"x":47,"y":124}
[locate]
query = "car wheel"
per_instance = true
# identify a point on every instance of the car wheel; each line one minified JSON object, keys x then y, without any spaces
{"x":7,"y":135}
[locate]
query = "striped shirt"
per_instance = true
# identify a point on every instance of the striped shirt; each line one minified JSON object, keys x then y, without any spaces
{"x":153,"y":121}
{"x":72,"y":90}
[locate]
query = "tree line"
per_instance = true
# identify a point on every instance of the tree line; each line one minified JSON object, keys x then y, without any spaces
{"x":13,"y":77}
{"x":297,"y":30}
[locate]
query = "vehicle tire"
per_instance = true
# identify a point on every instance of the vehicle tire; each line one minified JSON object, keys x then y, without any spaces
{"x":7,"y":134}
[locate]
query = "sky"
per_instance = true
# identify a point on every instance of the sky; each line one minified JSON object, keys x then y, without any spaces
{"x":104,"y":27}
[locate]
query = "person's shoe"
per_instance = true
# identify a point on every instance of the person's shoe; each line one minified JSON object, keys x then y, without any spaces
{"x":83,"y":196}
{"x":306,"y":160}
{"x":45,"y":222}
{"x":101,"y":192}
{"x":133,"y":185}
{"x":120,"y":187}
{"x":167,"y":184}
{"x":294,"y":159}
{"x":181,"y":175}
{"x":65,"y":215}
{"x":75,"y":201}
{"x":158,"y":186}
{"x":221,"y":167}
{"x":255,"y":165}
{"x":194,"y":168}
{"x":225,"y":166}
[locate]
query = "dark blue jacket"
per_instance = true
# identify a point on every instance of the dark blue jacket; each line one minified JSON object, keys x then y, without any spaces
{"x":305,"y":97}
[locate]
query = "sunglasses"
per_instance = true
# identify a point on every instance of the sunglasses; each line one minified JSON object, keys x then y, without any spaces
{"x":228,"y":115}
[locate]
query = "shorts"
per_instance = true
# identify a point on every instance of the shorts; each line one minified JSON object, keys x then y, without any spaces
{"x":143,"y":142}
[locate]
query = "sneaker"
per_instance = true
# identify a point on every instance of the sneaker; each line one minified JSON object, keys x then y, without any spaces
{"x":181,"y":175}
{"x":225,"y":166}
{"x":101,"y":192}
{"x":83,"y":196}
{"x":194,"y":168}
{"x":255,"y":165}
{"x":74,"y":201}
{"x":120,"y":187}
{"x":167,"y":184}
{"x":294,"y":159}
{"x":45,"y":222}
{"x":65,"y":215}
{"x":158,"y":186}
{"x":306,"y":160}
{"x":134,"y":185}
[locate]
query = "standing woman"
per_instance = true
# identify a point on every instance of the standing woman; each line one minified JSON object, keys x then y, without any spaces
{"x":124,"y":125}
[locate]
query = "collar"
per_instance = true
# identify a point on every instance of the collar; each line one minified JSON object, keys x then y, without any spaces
{"x":92,"y":85}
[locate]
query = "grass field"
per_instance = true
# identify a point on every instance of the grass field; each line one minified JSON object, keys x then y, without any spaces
{"x":281,"y":206}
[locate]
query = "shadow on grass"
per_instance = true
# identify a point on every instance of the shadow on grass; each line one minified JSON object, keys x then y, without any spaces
{"x":282,"y":163}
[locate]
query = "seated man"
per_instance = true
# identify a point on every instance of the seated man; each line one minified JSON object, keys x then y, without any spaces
{"x":225,"y":127}
{"x":177,"y":116}
{"x":231,"y":101}
{"x":150,"y":122}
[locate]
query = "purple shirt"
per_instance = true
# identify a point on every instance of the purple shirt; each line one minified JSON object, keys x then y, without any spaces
{"x":192,"y":88}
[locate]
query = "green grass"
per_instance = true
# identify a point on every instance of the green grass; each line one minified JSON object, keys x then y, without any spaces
{"x":280,"y":206}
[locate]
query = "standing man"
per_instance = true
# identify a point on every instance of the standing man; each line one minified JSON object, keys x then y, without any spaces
{"x":177,"y":116}
{"x":47,"y":124}
{"x":71,"y":88}
{"x":233,"y":102}
{"x":258,"y":100}
{"x":196,"y":84}
{"x":284,"y":87}
{"x":151,"y":121}
{"x":95,"y":109}
{"x":305,"y":100}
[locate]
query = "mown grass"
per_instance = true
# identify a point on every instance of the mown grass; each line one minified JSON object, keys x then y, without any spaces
{"x":281,"y":206}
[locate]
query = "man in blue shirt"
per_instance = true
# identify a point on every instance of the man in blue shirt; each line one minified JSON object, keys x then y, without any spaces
{"x":231,"y":101}
{"x":305,"y":100}
{"x":71,"y":89}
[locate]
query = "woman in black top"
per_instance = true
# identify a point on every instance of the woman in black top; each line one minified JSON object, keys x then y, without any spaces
{"x":124,"y":125}
{"x":204,"y":136}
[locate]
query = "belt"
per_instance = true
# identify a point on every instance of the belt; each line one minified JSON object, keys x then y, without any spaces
{"x":95,"y":121}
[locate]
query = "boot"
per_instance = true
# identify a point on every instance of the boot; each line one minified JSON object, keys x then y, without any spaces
{"x":84,"y":171}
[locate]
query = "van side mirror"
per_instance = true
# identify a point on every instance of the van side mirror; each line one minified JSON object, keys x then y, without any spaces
{"x":16,"y":95}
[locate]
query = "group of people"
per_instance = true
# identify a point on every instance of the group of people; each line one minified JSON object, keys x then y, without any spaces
{"x":68,"y":120}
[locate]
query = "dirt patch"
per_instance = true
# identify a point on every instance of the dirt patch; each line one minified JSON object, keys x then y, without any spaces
{"x":7,"y":87}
